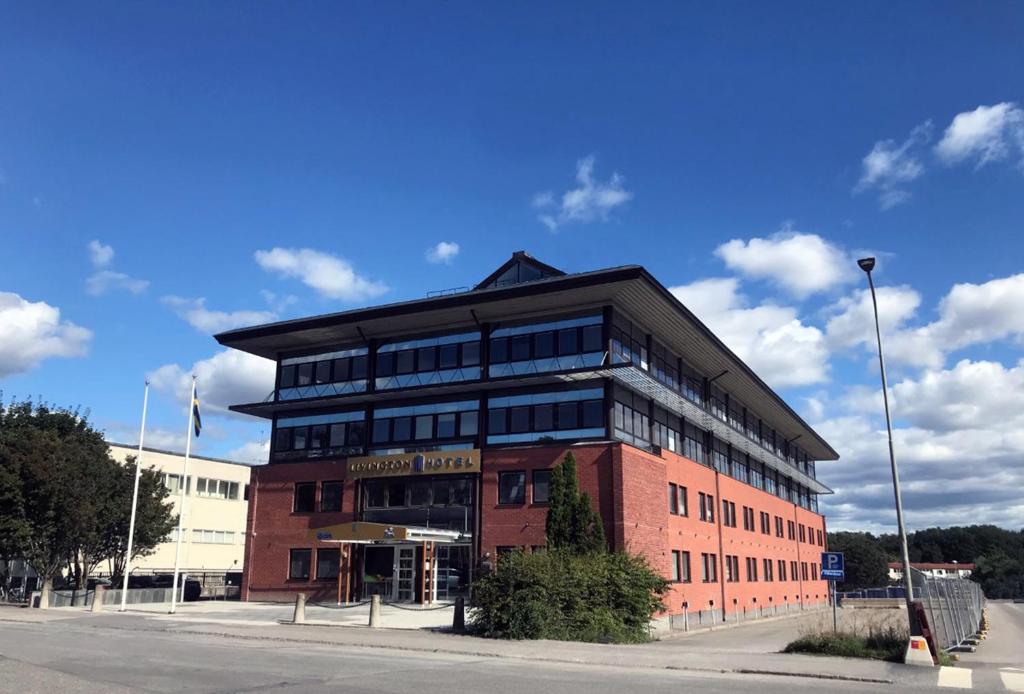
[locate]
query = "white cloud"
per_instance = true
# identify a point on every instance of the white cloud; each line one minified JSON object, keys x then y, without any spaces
{"x":590,"y":201}
{"x":970,"y":314}
{"x":890,"y":165}
{"x":195,"y":313}
{"x":329,"y":275}
{"x":99,"y":254}
{"x":443,"y":252}
{"x":253,"y":452}
{"x":33,"y":331}
{"x":802,"y":264}
{"x":278,"y":302}
{"x":227,"y":378}
{"x":771,"y":339}
{"x":959,"y":440}
{"x":101,"y":282}
{"x":986,"y":134}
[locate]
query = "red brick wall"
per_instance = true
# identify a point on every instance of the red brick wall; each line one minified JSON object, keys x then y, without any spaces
{"x":629,"y":488}
{"x":274,"y":529}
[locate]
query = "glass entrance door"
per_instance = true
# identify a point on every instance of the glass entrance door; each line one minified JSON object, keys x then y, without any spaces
{"x":405,"y":573}
{"x":452,"y":576}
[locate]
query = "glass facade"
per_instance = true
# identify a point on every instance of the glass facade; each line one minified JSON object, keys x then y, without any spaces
{"x":323,"y":375}
{"x":428,"y":361}
{"x":562,"y":345}
{"x":567,"y":414}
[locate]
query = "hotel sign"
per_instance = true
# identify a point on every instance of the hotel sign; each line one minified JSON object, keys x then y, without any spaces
{"x":430,"y":463}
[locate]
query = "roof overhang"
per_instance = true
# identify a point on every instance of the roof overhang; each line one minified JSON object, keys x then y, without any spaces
{"x":629,"y":288}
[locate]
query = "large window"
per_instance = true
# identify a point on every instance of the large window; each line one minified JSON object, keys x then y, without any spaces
{"x":216,"y":489}
{"x":428,"y":361}
{"x":323,"y":375}
{"x":298,"y":564}
{"x":693,"y":444}
{"x":570,"y":414}
{"x":666,"y":431}
{"x":629,"y":344}
{"x":561,"y":345}
{"x":397,"y":429}
{"x":338,"y":433}
{"x":441,"y":491}
{"x":632,"y":423}
{"x":328,"y":561}
{"x":511,"y":487}
{"x":305,"y":497}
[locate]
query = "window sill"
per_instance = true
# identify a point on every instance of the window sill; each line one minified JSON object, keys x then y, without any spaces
{"x":511,"y":504}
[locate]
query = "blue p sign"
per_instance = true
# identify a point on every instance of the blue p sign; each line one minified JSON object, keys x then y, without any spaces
{"x":833,"y":566}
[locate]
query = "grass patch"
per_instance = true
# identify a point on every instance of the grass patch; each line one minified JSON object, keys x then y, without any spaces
{"x":873,"y":640}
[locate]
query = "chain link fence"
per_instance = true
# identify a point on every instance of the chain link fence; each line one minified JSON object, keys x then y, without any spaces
{"x":952,"y":606}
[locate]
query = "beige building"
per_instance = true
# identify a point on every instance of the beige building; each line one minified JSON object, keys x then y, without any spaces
{"x":217,"y":493}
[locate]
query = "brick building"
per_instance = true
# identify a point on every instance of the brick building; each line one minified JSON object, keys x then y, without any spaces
{"x":413,"y":443}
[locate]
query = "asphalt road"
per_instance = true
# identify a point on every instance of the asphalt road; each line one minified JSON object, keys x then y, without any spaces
{"x":73,"y":657}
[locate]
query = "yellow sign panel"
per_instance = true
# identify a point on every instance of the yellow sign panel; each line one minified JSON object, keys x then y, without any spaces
{"x":431,"y":463}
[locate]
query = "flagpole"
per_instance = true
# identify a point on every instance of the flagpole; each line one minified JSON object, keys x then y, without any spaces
{"x":181,"y":506}
{"x":135,"y":502}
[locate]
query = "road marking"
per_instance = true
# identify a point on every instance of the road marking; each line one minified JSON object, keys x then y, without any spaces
{"x":957,"y":677}
{"x":1013,"y":679}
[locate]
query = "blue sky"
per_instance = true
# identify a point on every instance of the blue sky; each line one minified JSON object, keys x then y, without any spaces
{"x":761,"y":148}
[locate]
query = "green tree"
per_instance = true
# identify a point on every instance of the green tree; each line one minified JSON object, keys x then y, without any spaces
{"x":64,"y":502}
{"x":866,"y":562}
{"x":572,"y":524}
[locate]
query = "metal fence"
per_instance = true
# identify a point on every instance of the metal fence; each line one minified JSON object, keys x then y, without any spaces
{"x":952,"y":606}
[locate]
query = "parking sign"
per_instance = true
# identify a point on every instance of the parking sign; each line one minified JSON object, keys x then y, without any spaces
{"x":833,"y":566}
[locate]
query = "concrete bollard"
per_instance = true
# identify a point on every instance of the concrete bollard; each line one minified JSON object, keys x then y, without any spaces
{"x":374,"y":611}
{"x":300,"y":609}
{"x":97,"y":598}
{"x":459,"y":620}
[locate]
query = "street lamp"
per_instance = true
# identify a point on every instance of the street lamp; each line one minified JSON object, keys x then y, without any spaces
{"x":867,"y":265}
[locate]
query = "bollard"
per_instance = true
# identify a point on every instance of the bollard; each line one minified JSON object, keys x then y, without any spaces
{"x":97,"y":598}
{"x":459,"y":620}
{"x":300,"y":609}
{"x":374,"y":611}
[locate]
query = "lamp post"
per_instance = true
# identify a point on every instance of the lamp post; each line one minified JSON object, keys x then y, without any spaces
{"x":867,"y":265}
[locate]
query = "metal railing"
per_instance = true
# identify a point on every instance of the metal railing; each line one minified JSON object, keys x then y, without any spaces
{"x":952,"y":607}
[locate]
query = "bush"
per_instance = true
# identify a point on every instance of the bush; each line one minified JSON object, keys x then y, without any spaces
{"x":877,"y":642}
{"x":599,"y":597}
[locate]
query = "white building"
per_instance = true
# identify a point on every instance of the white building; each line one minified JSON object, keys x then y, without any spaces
{"x":217,"y":493}
{"x":932,"y":570}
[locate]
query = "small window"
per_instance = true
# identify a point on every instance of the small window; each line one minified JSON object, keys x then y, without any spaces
{"x":404,"y":361}
{"x":318,"y":436}
{"x":356,"y":433}
{"x":568,"y":342}
{"x":300,"y":435}
{"x":543,"y":345}
{"x":541,"y":486}
{"x":446,"y":425}
{"x":424,"y":427}
{"x":684,"y":567}
{"x":341,"y":369}
{"x":593,"y":414}
{"x":298,"y":565}
{"x":470,"y":353}
{"x":375,"y":493}
{"x":396,"y":494}
{"x":496,"y":421}
{"x":337,"y":434}
{"x":499,"y":350}
{"x":288,"y":376}
{"x":323,"y":372}
{"x":358,"y":368}
{"x":673,"y":499}
{"x":385,"y":364}
{"x":449,"y":357}
{"x":402,"y":429}
{"x":305,"y":374}
{"x":511,"y":487}
{"x":592,"y":339}
{"x":305,"y":497}
{"x":519,"y":419}
{"x":328,"y":560}
{"x":568,"y":415}
{"x":283,"y":440}
{"x":427,"y":359}
{"x":442,"y":493}
{"x":675,"y":566}
{"x":330,"y":497}
{"x":520,"y":348}
{"x":467,"y":423}
{"x":419,"y":493}
{"x":543,"y":417}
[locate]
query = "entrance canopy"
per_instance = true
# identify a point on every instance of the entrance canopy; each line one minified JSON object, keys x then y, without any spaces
{"x":364,"y":533}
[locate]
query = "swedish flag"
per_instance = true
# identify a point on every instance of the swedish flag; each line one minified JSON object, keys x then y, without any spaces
{"x":197,"y":421}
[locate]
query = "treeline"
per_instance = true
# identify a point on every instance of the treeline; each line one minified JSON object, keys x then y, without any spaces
{"x":998,"y":556}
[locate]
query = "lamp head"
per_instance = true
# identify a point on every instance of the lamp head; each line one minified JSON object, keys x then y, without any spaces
{"x":866,"y":264}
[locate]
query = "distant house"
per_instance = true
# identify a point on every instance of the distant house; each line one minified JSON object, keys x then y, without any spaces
{"x":932,"y":570}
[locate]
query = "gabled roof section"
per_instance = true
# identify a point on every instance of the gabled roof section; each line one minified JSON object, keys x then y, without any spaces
{"x":521,"y":267}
